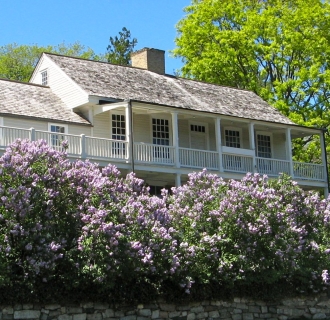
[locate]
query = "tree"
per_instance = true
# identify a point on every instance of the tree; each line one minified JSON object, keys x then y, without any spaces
{"x":120,"y":49}
{"x":278,"y":49}
{"x":18,"y":61}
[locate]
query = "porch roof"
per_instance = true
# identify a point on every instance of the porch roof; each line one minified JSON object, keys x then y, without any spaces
{"x":30,"y":100}
{"x":122,"y":82}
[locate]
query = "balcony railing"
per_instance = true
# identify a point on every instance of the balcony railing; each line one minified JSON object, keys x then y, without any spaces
{"x":81,"y":146}
{"x":308,"y":171}
{"x":156,"y":154}
{"x":193,"y":158}
{"x":237,"y":163}
{"x":272,"y":167}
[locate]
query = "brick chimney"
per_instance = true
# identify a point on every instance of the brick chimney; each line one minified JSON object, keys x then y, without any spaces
{"x":150,"y":59}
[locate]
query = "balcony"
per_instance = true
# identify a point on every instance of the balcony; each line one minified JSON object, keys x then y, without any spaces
{"x":106,"y":150}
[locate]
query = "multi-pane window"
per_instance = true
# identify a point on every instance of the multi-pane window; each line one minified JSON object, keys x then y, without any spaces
{"x":118,"y":133}
{"x":59,"y":137}
{"x":160,"y":132}
{"x":118,"y":127}
{"x":232,"y":138}
{"x":44,"y":78}
{"x":161,"y":137}
{"x":264,"y":146}
{"x":197,"y":128}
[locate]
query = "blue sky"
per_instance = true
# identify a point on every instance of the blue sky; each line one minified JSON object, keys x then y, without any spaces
{"x":51,"y":22}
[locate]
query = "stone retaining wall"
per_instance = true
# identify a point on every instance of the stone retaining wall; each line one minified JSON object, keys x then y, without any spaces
{"x":238,"y":309}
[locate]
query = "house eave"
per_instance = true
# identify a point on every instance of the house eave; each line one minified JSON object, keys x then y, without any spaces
{"x":3,"y":114}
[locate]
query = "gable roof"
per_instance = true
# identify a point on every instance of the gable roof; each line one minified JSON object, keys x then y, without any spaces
{"x":25,"y":99}
{"x":122,"y":82}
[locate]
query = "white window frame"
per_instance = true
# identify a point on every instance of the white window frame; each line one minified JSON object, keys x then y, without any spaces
{"x":161,"y":154}
{"x":42,"y":73}
{"x":239,"y":130}
{"x":203,"y":124}
{"x":270,"y":135}
{"x":54,"y":135}
{"x":111,"y":126}
{"x":169,"y":130}
{"x":118,"y":148}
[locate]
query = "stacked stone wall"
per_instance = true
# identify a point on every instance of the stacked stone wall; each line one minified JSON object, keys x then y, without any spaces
{"x":237,"y":309}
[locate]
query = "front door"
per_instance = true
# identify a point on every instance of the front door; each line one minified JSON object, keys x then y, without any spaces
{"x":198,"y":137}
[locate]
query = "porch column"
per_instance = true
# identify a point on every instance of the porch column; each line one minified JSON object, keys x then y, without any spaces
{"x":178,"y":180}
{"x":252,"y":146}
{"x":128,"y":130}
{"x":324,"y":162}
{"x":218,"y":142}
{"x":175,"y":134}
{"x":288,"y":146}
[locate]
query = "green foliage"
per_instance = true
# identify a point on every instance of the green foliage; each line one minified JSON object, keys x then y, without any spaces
{"x":278,"y":49}
{"x":73,"y":229}
{"x":17,"y":62}
{"x":120,"y":49}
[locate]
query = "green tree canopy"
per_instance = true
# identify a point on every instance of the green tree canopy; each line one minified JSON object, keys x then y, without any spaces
{"x":278,"y":49}
{"x":18,"y":61}
{"x":120,"y":49}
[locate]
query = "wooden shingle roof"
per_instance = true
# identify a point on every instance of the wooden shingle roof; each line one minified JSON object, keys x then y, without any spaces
{"x":121,"y":82}
{"x":30,"y":100}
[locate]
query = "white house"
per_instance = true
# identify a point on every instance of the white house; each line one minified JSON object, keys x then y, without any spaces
{"x":160,"y":126}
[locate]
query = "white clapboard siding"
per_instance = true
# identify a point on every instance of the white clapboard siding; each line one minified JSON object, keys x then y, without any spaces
{"x":64,"y":87}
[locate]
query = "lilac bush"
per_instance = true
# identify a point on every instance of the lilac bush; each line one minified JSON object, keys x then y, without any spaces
{"x":251,"y":231}
{"x":80,"y":226}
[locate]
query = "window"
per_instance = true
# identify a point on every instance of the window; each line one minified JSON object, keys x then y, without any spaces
{"x":161,"y":137}
{"x":118,"y":124}
{"x":197,"y":128}
{"x":44,"y":78}
{"x":160,"y":132}
{"x":264,"y":149}
{"x":57,"y":139}
{"x":232,"y":138}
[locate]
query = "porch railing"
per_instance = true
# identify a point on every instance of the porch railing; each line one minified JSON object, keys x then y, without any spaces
{"x":81,"y":146}
{"x":8,"y":135}
{"x":150,"y":153}
{"x":193,"y":158}
{"x":98,"y":148}
{"x":237,"y":163}
{"x":272,"y":167}
{"x":308,"y":171}
{"x":55,"y":140}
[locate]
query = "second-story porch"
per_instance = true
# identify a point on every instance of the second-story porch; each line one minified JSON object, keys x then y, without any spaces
{"x":147,"y":139}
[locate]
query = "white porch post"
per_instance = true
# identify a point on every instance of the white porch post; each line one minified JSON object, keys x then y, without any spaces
{"x":218,"y":142}
{"x":324,"y":162}
{"x":177,"y":179}
{"x":288,"y":145}
{"x":252,"y":146}
{"x":128,"y":130}
{"x":175,"y":135}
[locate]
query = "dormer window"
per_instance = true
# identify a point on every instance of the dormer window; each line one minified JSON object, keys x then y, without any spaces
{"x":44,"y":77}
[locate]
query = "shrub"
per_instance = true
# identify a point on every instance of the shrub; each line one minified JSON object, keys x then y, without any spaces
{"x":73,"y":227}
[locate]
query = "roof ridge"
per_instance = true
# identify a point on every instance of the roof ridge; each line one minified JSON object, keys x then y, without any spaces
{"x":163,"y":75}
